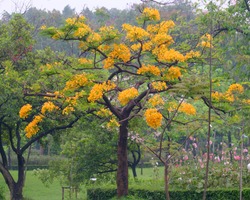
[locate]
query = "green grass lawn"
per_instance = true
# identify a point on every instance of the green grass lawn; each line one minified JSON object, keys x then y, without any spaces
{"x":35,"y":190}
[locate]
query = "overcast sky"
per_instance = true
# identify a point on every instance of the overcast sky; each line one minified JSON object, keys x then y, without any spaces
{"x":16,"y":5}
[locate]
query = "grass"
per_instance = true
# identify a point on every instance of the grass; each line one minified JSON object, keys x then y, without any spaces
{"x":34,"y":189}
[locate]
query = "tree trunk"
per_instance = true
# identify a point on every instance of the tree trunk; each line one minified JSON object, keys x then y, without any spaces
{"x":16,"y":188}
{"x":16,"y":191}
{"x":229,"y":137}
{"x":122,"y":171}
{"x":166,"y":180}
{"x":133,"y":167}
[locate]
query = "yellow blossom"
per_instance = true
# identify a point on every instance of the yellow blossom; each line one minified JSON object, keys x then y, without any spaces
{"x":98,"y":90}
{"x":32,"y":128}
{"x":77,"y":81}
{"x":126,"y":95}
{"x":246,"y":101}
{"x":151,"y":14}
{"x":48,"y":106}
{"x":67,"y":110}
{"x":25,"y":110}
{"x":153,"y":118}
{"x":84,"y":61}
{"x":113,"y":123}
{"x":159,"y":85}
{"x":120,"y":51}
{"x":135,"y":33}
{"x":151,"y":69}
{"x":217,"y":96}
{"x":206,"y":41}
{"x":235,"y":88}
{"x":192,"y":54}
{"x":82,"y":31}
{"x":108,"y":63}
{"x":187,"y":108}
{"x":104,"y":112}
{"x":156,"y":100}
{"x":173,"y":73}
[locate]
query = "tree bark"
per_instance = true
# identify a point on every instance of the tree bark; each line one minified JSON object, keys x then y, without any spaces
{"x":166,"y":180}
{"x":122,"y":171}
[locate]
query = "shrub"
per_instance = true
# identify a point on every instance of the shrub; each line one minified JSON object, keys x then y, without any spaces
{"x":2,"y":194}
{"x":138,"y":194}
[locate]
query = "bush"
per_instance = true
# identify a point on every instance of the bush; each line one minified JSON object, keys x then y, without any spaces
{"x":218,"y":194}
{"x":2,"y":194}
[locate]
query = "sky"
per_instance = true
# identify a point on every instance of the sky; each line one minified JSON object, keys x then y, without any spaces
{"x":20,"y":5}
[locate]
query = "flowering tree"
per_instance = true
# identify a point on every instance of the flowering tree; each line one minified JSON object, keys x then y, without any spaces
{"x":130,"y":73}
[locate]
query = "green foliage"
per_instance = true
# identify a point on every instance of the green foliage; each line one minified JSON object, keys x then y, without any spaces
{"x":220,"y":194}
{"x":2,"y":193}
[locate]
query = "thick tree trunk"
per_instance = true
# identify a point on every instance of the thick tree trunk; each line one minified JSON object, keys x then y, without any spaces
{"x":122,"y":171}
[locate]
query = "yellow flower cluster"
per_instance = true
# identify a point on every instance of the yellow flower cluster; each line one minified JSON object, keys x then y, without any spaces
{"x":135,"y":33}
{"x":94,"y":38}
{"x":173,"y":73}
{"x":156,"y":100}
{"x":192,"y":54}
{"x":59,"y":34}
{"x":153,"y":118}
{"x":75,"y":21}
{"x":151,"y":14}
{"x":24,"y":111}
{"x":107,"y":32}
{"x":184,"y":107}
{"x":235,"y":88}
{"x":85,"y":61}
{"x":159,"y":85}
{"x":187,"y":108}
{"x":82,"y":31}
{"x":67,"y":110}
{"x":161,"y":28}
{"x":151,"y":69}
{"x":206,"y":41}
{"x":98,"y":90}
{"x":108,"y":63}
{"x":113,"y":123}
{"x":79,"y":80}
{"x":32,"y":128}
{"x":229,"y":95}
{"x":104,"y":112}
{"x":120,"y":51}
{"x":73,"y":100}
{"x":126,"y":95}
{"x":48,"y":106}
{"x":162,"y":38}
{"x":170,"y":55}
{"x":246,"y":101}
{"x":217,"y":95}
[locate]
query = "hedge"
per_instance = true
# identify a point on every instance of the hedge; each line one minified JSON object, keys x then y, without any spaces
{"x":218,"y":194}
